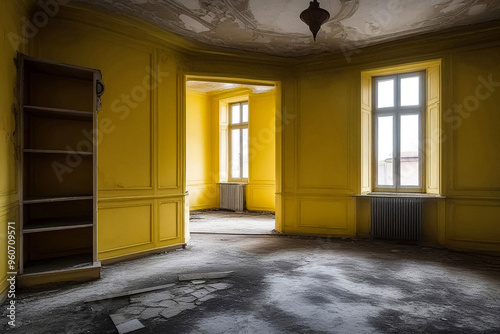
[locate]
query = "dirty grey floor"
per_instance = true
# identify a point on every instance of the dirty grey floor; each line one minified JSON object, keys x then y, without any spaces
{"x":281,"y":285}
{"x":228,"y":222}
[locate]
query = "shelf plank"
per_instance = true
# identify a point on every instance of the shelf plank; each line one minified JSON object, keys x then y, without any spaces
{"x":59,"y":263}
{"x":57,"y":112}
{"x":59,"y":69}
{"x":41,"y":151}
{"x":56,"y":224}
{"x":56,"y":199}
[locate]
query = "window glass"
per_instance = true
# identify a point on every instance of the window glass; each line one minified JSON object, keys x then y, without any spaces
{"x":385,"y":150}
{"x":385,"y":95}
{"x":409,"y":155}
{"x":410,"y":91}
{"x":235,"y":153}
{"x":245,"y":112}
{"x":235,"y":114}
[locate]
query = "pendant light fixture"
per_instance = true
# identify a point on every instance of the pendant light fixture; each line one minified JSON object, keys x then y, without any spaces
{"x":314,"y":17}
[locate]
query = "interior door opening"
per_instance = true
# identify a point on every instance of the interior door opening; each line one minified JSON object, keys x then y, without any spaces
{"x":231,"y":170}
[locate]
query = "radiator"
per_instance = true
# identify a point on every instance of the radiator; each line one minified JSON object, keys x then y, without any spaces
{"x":232,"y":196}
{"x":396,"y":218}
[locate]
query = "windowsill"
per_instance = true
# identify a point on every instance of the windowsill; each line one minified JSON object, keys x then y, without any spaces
{"x":232,"y":182}
{"x":387,"y":194}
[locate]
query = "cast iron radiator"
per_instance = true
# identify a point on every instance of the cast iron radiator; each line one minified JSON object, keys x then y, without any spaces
{"x":396,"y":218}
{"x":232,"y":196}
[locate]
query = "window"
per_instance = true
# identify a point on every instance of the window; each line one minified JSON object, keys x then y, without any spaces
{"x":403,"y":121}
{"x":398,"y":112}
{"x":238,"y":141}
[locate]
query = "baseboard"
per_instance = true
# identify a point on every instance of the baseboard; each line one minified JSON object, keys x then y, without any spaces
{"x":138,"y":255}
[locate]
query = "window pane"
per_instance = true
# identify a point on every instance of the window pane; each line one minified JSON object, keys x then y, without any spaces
{"x":235,"y":153}
{"x":410,"y":160}
{"x":385,"y":95}
{"x":245,"y":113}
{"x":385,"y":151}
{"x":410,"y":91}
{"x":244,"y":133}
{"x":235,"y":113}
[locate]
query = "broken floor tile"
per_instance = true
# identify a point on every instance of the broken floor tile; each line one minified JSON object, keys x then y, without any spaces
{"x":173,"y":311}
{"x":119,"y":318}
{"x":187,"y":306}
{"x":156,"y":297}
{"x":150,"y":312}
{"x":210,"y":288}
{"x":188,"y":290}
{"x":129,"y":326}
{"x":220,"y":286}
{"x":200,"y":293}
{"x":168,"y":303}
{"x":186,"y":299}
{"x":132,"y":309}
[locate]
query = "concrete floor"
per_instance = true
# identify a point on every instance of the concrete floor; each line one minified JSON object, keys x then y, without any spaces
{"x":281,"y":285}
{"x":228,"y":222}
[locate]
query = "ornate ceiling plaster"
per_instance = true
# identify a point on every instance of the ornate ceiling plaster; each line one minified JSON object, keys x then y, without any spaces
{"x":274,"y":27}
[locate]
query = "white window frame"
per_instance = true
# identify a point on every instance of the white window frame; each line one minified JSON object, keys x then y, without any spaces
{"x":397,"y":111}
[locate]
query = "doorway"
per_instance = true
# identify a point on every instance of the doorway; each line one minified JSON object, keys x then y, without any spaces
{"x":231,"y":142}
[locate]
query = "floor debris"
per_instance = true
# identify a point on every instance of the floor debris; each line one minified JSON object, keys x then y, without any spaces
{"x":205,"y":276}
{"x":128,"y":293}
{"x":123,"y":325}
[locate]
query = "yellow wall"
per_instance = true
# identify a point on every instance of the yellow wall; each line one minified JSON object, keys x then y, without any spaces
{"x":321,"y":158}
{"x":202,"y":149}
{"x":142,"y":159}
{"x":261,"y":186}
{"x":141,"y":191}
{"x":201,"y":177}
{"x":11,"y":30}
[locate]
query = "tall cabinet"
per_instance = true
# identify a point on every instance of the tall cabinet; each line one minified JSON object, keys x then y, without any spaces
{"x":57,"y":171}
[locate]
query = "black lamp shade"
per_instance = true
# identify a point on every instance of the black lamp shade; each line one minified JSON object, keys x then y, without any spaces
{"x":314,"y":17}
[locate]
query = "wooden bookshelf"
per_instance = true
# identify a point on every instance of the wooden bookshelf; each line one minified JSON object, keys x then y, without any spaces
{"x":57,"y":173}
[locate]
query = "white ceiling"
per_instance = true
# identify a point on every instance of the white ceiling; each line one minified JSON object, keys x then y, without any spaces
{"x":274,"y":27}
{"x":209,"y":86}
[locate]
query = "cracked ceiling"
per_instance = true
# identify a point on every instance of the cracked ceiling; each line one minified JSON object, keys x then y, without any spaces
{"x":274,"y":27}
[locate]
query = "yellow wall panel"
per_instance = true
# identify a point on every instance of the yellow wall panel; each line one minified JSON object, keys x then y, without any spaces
{"x":124,"y":227}
{"x":474,"y":221}
{"x":290,"y":218}
{"x":170,"y":141}
{"x":201,"y":178}
{"x":324,"y":214}
{"x":323,"y":148}
{"x":475,"y":124}
{"x":168,"y":220}
{"x":260,"y":198}
{"x":125,"y":120}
